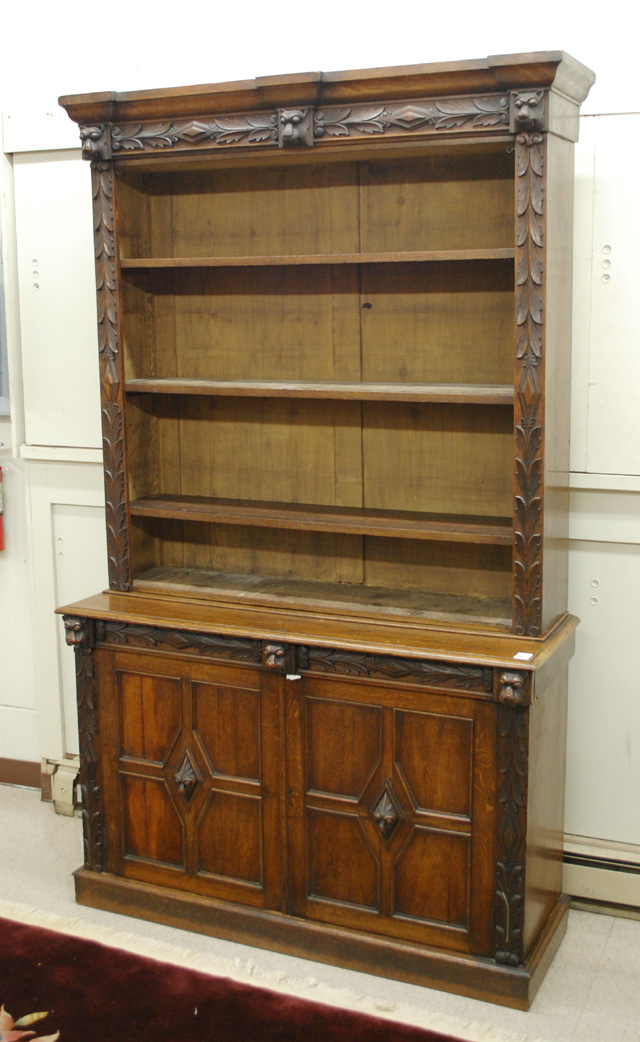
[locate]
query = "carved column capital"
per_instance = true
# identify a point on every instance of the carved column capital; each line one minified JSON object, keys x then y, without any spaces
{"x":528,"y":111}
{"x":513,"y":689}
{"x":96,"y":143}
{"x":278,"y":658}
{"x":78,"y":632}
{"x":295,"y":127}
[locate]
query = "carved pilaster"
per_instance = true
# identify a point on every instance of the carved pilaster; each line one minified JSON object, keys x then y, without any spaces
{"x":529,"y":380}
{"x":79,"y":634}
{"x":111,"y":375}
{"x":295,"y":127}
{"x":511,"y":832}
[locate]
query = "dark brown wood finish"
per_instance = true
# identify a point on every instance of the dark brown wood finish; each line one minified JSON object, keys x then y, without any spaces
{"x":323,"y":707}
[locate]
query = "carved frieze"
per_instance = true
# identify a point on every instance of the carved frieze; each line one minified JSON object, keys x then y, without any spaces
{"x":421,"y":116}
{"x":79,"y":634}
{"x":256,"y":128}
{"x":509,"y":893}
{"x":436,"y":674}
{"x":530,"y":243}
{"x":209,"y":644}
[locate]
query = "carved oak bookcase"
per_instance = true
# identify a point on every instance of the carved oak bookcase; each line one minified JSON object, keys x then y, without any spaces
{"x":322,"y":705}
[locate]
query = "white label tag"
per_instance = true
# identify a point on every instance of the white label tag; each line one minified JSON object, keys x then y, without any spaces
{"x":523,"y":656}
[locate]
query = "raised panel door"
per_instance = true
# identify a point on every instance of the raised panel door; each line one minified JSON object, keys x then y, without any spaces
{"x":391,"y":796}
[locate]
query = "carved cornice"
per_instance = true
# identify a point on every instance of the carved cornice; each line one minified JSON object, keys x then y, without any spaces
{"x":80,"y":635}
{"x":509,"y":894}
{"x":530,"y":255}
{"x":360,"y":664}
{"x":209,"y":644}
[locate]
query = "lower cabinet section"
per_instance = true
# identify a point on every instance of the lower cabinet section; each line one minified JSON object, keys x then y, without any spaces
{"x":401,"y":815}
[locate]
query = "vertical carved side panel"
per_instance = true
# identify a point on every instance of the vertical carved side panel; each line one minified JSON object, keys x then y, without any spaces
{"x":529,"y":382}
{"x":96,"y":147}
{"x":79,"y":633}
{"x":511,"y":833}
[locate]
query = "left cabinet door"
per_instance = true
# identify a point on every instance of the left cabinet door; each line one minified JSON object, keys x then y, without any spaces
{"x":191,"y":775}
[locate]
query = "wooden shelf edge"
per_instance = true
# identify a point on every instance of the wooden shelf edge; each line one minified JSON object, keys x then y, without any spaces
{"x":284,"y":260}
{"x":494,"y":531}
{"x":454,"y":394}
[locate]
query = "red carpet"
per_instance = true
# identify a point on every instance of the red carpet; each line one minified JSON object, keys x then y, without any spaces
{"x":92,"y":993}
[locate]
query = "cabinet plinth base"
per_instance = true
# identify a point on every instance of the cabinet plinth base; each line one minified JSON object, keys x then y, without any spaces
{"x":472,"y":976}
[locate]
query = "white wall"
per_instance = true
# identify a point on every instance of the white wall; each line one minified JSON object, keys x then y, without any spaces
{"x":47,"y":52}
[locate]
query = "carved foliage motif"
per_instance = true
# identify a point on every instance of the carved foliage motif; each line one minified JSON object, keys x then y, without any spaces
{"x":530,"y":170}
{"x":186,"y":779}
{"x":509,"y":905}
{"x":410,"y":116}
{"x":79,"y":637}
{"x":254,"y":129}
{"x":354,"y":663}
{"x":385,"y":813}
{"x":235,"y":648}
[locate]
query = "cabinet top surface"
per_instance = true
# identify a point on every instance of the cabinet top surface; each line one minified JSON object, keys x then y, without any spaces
{"x":542,"y":69}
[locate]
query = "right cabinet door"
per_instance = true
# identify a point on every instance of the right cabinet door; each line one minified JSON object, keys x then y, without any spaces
{"x":391,"y":810}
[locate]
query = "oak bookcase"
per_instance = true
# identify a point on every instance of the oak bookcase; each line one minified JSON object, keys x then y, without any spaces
{"x":322,"y":706}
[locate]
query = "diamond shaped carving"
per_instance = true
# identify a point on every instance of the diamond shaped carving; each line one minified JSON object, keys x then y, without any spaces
{"x":410,"y":115}
{"x":385,"y":813}
{"x":186,"y":778}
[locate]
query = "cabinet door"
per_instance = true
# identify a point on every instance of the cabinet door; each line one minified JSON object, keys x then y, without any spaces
{"x":391,"y":797}
{"x":190,"y":784}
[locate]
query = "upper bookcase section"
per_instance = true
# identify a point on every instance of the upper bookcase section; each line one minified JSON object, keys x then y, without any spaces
{"x":497,"y":95}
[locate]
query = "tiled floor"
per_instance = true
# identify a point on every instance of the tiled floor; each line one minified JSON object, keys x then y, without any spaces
{"x":591,"y":993}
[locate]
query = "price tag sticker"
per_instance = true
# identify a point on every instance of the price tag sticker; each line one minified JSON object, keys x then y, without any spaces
{"x":523,"y":656}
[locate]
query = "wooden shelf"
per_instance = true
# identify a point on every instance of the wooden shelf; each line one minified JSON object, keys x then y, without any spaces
{"x":496,"y":531}
{"x":332,"y":598}
{"x":474,"y":394}
{"x":284,"y":260}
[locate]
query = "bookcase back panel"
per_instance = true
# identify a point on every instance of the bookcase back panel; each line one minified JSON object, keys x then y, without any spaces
{"x":437,"y":203}
{"x":440,"y":459}
{"x":235,"y":550}
{"x":244,"y":212}
{"x":450,"y":323}
{"x":251,"y":323}
{"x":442,"y":568}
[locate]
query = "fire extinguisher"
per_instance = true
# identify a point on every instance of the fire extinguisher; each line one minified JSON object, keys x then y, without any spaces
{"x":1,"y":515}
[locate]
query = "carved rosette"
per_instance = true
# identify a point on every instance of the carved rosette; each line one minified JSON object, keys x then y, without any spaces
{"x":79,"y":634}
{"x":208,"y":644}
{"x":435,"y":674}
{"x":509,"y":893}
{"x":530,"y":253}
{"x":110,"y":373}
